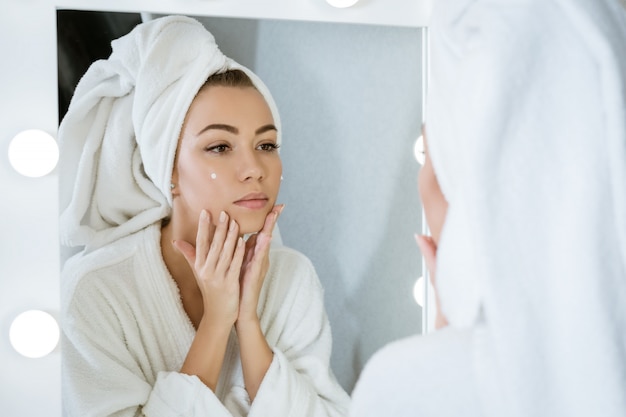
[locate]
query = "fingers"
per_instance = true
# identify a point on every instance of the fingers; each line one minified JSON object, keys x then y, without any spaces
{"x":263,"y":246}
{"x":271,"y":218}
{"x":250,"y":245}
{"x":428,"y":247}
{"x":257,"y":245}
{"x":237,"y":261}
{"x":187,"y":249}
{"x":203,"y":238}
{"x":222,"y":250}
{"x":213,"y":250}
{"x":256,"y":258}
{"x":226,"y":253}
{"x":263,"y":239}
{"x":426,"y":244}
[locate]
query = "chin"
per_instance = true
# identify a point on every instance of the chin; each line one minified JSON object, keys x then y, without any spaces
{"x":250,"y":225}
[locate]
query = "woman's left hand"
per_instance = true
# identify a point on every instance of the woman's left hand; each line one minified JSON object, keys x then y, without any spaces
{"x":428,"y":247}
{"x":255,"y":266}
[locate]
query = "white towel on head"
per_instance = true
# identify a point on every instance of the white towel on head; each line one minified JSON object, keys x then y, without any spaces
{"x":118,"y":139}
{"x":526,"y":128}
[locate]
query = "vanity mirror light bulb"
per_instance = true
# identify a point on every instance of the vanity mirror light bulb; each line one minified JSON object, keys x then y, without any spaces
{"x":418,"y":292}
{"x":34,"y":333}
{"x":342,"y":4}
{"x":33,"y":153}
{"x":418,"y":295}
{"x":418,"y":150}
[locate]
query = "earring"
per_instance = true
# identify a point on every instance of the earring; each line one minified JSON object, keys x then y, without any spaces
{"x":281,"y":177}
{"x":172,"y":186}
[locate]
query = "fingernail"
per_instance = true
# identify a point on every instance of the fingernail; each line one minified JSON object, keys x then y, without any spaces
{"x":203,"y":214}
{"x":281,"y":208}
{"x":239,"y":241}
{"x":232,"y":225}
{"x":222,"y":217}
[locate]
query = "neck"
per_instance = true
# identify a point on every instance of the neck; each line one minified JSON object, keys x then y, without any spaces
{"x":175,"y":261}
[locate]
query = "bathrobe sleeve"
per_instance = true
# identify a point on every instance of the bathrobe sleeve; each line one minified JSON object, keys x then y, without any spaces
{"x":102,"y":373}
{"x":299,"y":381}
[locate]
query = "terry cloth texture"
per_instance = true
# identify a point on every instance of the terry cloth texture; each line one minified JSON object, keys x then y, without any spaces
{"x":126,"y":336}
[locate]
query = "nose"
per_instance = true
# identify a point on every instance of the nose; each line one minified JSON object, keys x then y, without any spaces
{"x":250,"y":167}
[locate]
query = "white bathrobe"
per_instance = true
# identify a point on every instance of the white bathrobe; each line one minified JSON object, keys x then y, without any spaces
{"x":126,"y":335}
{"x":125,"y":332}
{"x":526,"y":128}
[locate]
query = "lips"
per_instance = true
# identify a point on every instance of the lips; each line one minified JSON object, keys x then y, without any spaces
{"x":253,"y":201}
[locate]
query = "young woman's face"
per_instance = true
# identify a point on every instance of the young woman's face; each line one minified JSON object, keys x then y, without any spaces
{"x":227,"y":159}
{"x":435,"y":204}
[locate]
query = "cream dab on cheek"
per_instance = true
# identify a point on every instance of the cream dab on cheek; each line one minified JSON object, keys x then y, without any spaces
{"x":213,"y":175}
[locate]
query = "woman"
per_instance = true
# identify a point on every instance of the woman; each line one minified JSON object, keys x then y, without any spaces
{"x":171,"y":160}
{"x":524,"y":190}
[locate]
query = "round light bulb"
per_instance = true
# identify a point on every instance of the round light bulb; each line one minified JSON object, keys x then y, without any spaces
{"x":418,"y":150}
{"x":341,"y":4}
{"x":418,"y":293}
{"x":33,"y":153}
{"x":34,"y":333}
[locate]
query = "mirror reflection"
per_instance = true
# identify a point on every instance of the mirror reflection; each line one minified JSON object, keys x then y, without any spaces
{"x":349,"y":97}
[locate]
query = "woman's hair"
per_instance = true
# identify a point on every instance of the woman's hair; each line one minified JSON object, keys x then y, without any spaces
{"x":229,"y":78}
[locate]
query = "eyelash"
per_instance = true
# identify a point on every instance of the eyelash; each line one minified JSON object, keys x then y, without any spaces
{"x":269,"y":147}
{"x":265,"y":147}
{"x":214,"y":149}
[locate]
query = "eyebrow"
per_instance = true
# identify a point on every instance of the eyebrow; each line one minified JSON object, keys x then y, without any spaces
{"x":234,"y":130}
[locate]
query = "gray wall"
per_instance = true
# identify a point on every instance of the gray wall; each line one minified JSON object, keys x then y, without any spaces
{"x":350,"y":102}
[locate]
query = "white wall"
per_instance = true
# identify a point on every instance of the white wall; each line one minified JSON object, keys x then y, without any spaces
{"x":356,"y":241}
{"x":28,"y":209}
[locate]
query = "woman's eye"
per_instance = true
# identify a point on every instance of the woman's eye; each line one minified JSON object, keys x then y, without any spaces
{"x":269,"y":147}
{"x":217,"y":148}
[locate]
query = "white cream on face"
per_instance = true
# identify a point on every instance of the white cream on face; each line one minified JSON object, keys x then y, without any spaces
{"x":213,"y":175}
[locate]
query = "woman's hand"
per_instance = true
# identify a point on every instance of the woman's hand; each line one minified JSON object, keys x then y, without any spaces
{"x":256,"y":354}
{"x":429,"y":250}
{"x":216,"y":263}
{"x":255,"y":266}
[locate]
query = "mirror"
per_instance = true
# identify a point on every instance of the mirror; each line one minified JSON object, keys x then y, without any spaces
{"x":350,"y":102}
{"x":350,"y":98}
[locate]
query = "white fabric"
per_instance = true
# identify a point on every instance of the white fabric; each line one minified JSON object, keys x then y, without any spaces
{"x":412,"y":378}
{"x":126,"y":335}
{"x":119,"y":136}
{"x":526,"y":129}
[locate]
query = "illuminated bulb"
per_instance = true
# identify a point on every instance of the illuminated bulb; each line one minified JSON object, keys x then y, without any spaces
{"x":418,"y":291}
{"x":418,"y":150}
{"x":34,"y":333}
{"x":342,"y":3}
{"x":33,"y":153}
{"x":418,"y":294}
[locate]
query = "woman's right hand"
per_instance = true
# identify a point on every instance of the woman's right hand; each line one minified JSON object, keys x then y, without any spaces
{"x":216,"y":263}
{"x":428,"y":247}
